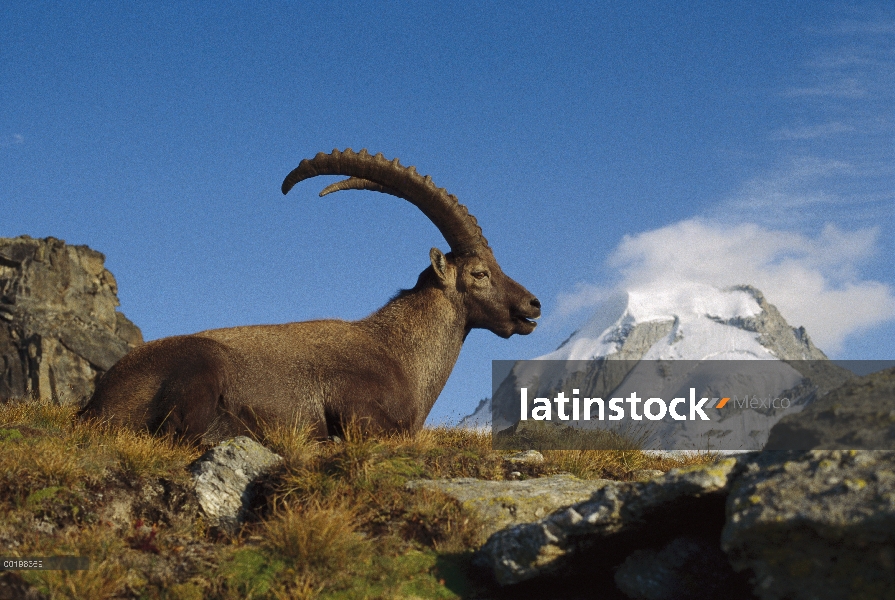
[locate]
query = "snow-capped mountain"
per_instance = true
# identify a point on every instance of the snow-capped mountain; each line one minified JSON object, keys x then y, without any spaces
{"x":690,"y":321}
{"x":686,"y":322}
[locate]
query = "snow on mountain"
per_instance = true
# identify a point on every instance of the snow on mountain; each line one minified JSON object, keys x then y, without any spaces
{"x":688,"y":321}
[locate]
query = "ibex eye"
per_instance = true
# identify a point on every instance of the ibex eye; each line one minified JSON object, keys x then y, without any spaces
{"x":479,"y":274}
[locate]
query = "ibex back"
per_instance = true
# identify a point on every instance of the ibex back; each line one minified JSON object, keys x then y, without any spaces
{"x":384,"y":372}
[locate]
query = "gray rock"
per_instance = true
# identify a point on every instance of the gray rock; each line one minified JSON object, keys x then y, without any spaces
{"x":500,"y":504}
{"x":223,"y":479}
{"x":59,"y":327}
{"x":817,"y":525}
{"x":616,"y":516}
{"x":526,"y":456}
{"x":859,"y":414}
{"x":647,"y":474}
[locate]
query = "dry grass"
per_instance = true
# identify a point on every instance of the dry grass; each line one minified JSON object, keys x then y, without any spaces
{"x":293,"y":441}
{"x":107,"y":576}
{"x":338,"y":521}
{"x":317,"y":539}
{"x":42,"y":414}
{"x":140,"y":454}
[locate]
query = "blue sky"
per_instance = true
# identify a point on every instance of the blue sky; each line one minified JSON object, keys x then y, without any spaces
{"x":600,"y":145}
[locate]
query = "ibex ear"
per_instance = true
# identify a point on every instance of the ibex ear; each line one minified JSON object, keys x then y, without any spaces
{"x":439,"y":263}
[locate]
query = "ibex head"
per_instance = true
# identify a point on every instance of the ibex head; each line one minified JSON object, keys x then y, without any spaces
{"x":469,"y":274}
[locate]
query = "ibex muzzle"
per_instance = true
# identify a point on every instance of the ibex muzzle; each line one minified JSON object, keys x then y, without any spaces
{"x":384,"y":372}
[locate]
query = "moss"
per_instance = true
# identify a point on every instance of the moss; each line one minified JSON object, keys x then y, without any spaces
{"x":8,"y":435}
{"x":250,"y":572}
{"x":38,"y":496}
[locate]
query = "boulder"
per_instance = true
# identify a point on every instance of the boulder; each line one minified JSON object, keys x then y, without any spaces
{"x":59,"y":327}
{"x":224,"y":479}
{"x":525,"y":457}
{"x":500,"y":504}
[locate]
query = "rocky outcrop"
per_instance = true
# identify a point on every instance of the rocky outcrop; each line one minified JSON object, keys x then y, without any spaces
{"x":815,"y":525}
{"x":224,"y":478}
{"x":615,"y":521}
{"x":59,"y":327}
{"x":775,"y":334}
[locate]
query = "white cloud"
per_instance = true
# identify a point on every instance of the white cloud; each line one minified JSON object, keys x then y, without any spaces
{"x":845,"y":87}
{"x":584,"y":296}
{"x":813,"y":281}
{"x":804,"y":192}
{"x":11,"y":140}
{"x":811,"y":132}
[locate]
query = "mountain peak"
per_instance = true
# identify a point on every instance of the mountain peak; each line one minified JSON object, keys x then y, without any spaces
{"x":684,"y":321}
{"x":687,"y":320}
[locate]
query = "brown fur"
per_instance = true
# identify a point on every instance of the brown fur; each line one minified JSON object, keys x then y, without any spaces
{"x":384,"y":372}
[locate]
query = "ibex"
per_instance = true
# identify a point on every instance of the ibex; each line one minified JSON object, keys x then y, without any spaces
{"x":384,"y":371}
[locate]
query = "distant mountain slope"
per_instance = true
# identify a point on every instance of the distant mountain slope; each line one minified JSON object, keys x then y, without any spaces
{"x":689,"y":321}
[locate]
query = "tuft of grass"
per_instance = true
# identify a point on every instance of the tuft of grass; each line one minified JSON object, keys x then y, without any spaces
{"x":293,"y":441}
{"x":615,"y":464}
{"x":50,"y":460}
{"x":435,"y":520}
{"x":317,"y":538}
{"x":38,"y":413}
{"x":107,"y":576}
{"x":137,"y":453}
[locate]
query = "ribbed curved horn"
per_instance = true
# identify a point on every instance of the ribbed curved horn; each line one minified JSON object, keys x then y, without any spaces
{"x":376,"y":173}
{"x":356,"y":183}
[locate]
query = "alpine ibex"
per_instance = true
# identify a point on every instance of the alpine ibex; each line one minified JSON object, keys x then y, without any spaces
{"x":384,"y":371}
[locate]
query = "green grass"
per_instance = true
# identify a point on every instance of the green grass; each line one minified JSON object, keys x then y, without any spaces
{"x":337,"y":522}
